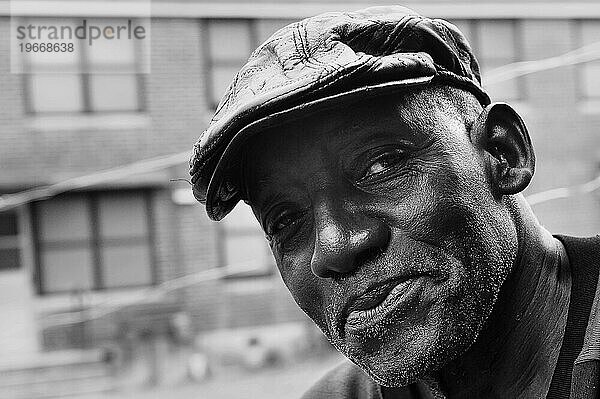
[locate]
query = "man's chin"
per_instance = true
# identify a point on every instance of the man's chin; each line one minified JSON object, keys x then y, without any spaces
{"x":407,"y":355}
{"x":394,"y":368}
{"x":390,"y":375}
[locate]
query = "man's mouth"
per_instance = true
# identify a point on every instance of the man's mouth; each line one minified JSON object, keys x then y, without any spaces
{"x":376,"y":304}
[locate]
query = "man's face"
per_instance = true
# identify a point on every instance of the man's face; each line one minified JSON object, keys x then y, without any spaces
{"x":385,"y":230}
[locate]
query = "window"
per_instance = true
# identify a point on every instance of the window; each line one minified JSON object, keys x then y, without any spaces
{"x":10,"y":253}
{"x":589,"y":76}
{"x":243,"y":244}
{"x":229,"y":45}
{"x":94,"y":240}
{"x":495,"y":44}
{"x":466,"y":27}
{"x":102,"y":77}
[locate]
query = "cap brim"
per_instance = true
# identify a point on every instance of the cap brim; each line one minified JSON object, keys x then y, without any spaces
{"x":220,"y":199}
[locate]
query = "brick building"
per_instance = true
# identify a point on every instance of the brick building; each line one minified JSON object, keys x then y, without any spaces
{"x":113,"y":240}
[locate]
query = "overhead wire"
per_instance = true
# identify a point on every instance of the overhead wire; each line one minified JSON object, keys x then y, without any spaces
{"x":564,"y":192}
{"x":510,"y":71}
{"x":10,"y":201}
{"x":151,"y":294}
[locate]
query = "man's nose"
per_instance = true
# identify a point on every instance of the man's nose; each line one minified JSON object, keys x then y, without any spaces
{"x":346,"y":240}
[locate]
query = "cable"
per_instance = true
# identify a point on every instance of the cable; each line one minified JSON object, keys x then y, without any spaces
{"x":580,"y":55}
{"x":564,"y":192}
{"x":153,"y":293}
{"x":507,"y":72}
{"x":148,"y":295}
{"x":10,"y":201}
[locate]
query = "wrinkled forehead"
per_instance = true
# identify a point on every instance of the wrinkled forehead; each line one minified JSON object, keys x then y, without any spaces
{"x":342,"y":131}
{"x":411,"y":114}
{"x":345,"y":124}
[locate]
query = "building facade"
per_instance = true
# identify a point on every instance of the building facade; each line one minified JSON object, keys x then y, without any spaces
{"x":134,"y":235}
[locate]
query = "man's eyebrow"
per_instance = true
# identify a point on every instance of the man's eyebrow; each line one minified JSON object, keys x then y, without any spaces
{"x":265,"y":205}
{"x":373,"y":134}
{"x":261,"y":201}
{"x":243,"y":178}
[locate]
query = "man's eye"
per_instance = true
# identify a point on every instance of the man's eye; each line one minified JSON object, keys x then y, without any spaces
{"x":280,"y":223}
{"x":383,"y":162}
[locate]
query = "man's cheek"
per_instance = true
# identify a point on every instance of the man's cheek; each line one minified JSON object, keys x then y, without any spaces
{"x":307,"y":294}
{"x":427,"y":212}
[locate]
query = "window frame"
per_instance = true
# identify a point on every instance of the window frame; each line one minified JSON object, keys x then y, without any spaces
{"x":580,"y":94}
{"x":96,"y":241}
{"x":224,"y":233}
{"x":85,"y":66}
{"x":12,"y":241}
{"x":209,"y":63}
{"x":473,"y":36}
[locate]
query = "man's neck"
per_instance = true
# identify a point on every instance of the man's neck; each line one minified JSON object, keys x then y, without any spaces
{"x":516,"y":353}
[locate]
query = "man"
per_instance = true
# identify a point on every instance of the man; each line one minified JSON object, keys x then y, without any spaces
{"x":389,"y":188}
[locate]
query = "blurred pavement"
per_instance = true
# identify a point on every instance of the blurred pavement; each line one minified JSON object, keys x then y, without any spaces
{"x":285,"y":381}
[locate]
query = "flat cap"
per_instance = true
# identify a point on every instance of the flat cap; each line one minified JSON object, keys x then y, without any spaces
{"x":321,"y":62}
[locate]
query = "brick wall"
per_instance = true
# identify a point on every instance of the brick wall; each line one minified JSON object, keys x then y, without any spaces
{"x":33,"y":153}
{"x":16,"y":160}
{"x":566,"y":140}
{"x":176,"y":96}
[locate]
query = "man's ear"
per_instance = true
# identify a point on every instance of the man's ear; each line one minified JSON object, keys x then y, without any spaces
{"x":500,"y":132}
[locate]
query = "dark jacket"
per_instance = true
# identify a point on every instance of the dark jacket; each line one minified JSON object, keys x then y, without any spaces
{"x":577,"y":373}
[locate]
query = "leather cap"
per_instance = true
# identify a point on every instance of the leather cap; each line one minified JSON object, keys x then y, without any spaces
{"x":321,"y":62}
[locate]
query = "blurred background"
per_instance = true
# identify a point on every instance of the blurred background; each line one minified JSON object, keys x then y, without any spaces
{"x":114,"y":283}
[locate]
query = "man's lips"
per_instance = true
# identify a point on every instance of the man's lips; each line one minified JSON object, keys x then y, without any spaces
{"x":376,"y":302}
{"x":374,"y":295}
